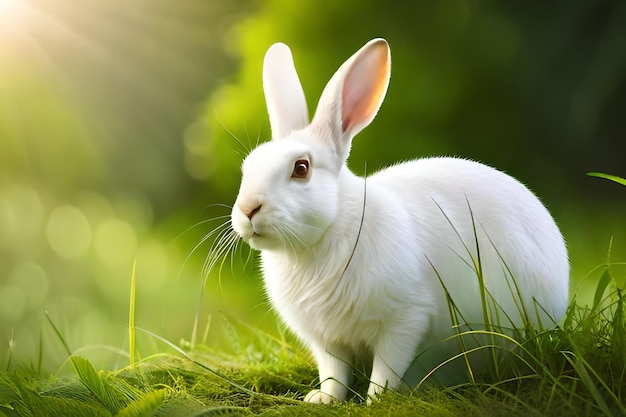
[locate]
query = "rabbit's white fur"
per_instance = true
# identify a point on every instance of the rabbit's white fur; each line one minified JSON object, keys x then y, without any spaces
{"x":355,"y":266}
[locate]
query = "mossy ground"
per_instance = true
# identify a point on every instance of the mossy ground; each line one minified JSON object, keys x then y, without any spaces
{"x":579,"y":370}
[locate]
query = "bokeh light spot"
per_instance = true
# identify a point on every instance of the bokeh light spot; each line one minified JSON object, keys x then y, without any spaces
{"x":198,"y":152}
{"x":12,"y":302}
{"x":115,"y":242}
{"x":33,"y":280}
{"x":21,"y":217}
{"x":7,"y":224}
{"x":152,"y":265}
{"x":136,"y":209}
{"x":7,"y":8}
{"x":69,"y":232}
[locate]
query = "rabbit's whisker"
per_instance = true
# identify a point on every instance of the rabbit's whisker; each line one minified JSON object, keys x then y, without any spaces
{"x":242,"y":151}
{"x":258,"y":138}
{"x":202,"y":222}
{"x":294,"y":235}
{"x":307,"y":225}
{"x":226,"y":240}
{"x":285,"y":234}
{"x":206,"y":237}
{"x":226,"y":206}
{"x":223,"y":245}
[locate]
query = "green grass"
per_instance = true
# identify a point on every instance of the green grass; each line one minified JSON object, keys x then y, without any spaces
{"x":578,"y":369}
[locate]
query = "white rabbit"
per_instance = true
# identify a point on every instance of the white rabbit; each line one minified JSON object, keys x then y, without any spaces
{"x":357,"y":267}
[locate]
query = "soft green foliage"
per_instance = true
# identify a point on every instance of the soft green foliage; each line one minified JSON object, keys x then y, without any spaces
{"x":95,"y":100}
{"x":480,"y":79}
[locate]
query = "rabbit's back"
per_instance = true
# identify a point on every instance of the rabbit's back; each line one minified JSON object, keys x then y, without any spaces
{"x":477,"y":222}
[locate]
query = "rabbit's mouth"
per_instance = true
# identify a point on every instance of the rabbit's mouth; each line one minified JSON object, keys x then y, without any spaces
{"x":249,"y":236}
{"x":258,"y":241}
{"x":254,"y":237}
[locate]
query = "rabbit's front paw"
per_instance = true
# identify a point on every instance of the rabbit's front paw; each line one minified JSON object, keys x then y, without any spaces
{"x":318,"y":397}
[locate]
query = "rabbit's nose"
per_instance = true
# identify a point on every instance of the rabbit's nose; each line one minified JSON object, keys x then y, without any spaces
{"x":250,"y":209}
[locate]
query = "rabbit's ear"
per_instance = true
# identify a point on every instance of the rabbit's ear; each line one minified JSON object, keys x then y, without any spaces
{"x":353,"y":96}
{"x":285,"y":100}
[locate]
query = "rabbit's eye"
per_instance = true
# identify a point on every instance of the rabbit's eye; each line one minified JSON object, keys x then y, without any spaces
{"x":300,"y":169}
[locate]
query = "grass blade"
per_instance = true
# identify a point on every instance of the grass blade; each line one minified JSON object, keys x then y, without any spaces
{"x":613,"y":178}
{"x":114,"y":394}
{"x":131,"y":315}
{"x":583,"y":370}
{"x":95,"y":384}
{"x":146,"y":406}
{"x":58,"y":333}
{"x":11,"y":349}
{"x":604,"y":282}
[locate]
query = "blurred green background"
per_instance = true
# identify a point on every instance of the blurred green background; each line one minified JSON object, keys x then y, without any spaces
{"x":116,"y":125}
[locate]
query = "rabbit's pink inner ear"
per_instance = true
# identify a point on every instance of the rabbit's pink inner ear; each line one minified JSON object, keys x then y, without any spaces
{"x":364,"y":87}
